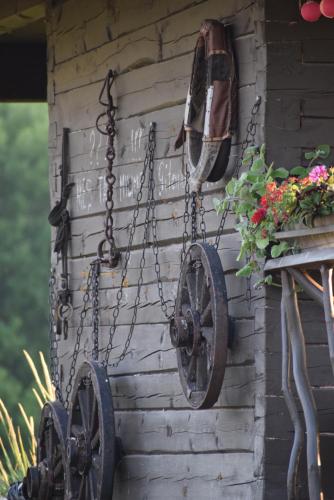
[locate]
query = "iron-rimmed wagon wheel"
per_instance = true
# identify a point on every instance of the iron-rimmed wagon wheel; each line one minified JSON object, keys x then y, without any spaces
{"x":200,"y":328}
{"x":46,"y":481}
{"x":91,"y":442}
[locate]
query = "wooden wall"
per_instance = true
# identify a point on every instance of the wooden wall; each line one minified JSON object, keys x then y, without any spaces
{"x":299,"y":116}
{"x":171,"y":452}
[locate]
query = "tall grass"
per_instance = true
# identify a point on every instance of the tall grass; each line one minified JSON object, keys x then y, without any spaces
{"x":18,"y":449}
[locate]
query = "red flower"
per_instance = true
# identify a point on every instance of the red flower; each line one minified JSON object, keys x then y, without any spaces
{"x":258,"y":215}
{"x":264,"y":202}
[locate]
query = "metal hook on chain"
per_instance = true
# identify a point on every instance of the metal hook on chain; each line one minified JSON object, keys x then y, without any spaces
{"x":110,"y":130}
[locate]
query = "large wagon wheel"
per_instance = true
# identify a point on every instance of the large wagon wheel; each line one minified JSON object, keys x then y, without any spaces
{"x":91,"y":442}
{"x":200,"y":328}
{"x":46,"y":481}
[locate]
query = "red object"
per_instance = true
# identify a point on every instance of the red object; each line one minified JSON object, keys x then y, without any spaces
{"x":310,"y":11}
{"x":259,"y":215}
{"x":327,"y":8}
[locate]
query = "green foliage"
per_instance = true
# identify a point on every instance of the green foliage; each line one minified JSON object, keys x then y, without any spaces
{"x":266,"y":200}
{"x":24,"y":249}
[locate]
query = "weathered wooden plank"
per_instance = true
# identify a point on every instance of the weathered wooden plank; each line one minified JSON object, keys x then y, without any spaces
{"x":164,"y":391}
{"x":87,"y":233}
{"x":149,"y":41}
{"x":150,"y":349}
{"x":286,"y":70}
{"x":169,"y":258}
{"x":318,"y":364}
{"x":179,"y":32}
{"x":279,"y":423}
{"x":149,"y":309}
{"x":227,"y":476}
{"x":186,"y":431}
{"x":153,"y":83}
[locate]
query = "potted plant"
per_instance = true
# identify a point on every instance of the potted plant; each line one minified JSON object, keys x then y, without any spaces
{"x":280,"y":211}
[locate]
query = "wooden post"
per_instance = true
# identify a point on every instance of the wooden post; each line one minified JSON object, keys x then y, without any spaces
{"x":297,"y":340}
{"x":327,"y":296}
{"x":298,"y":441}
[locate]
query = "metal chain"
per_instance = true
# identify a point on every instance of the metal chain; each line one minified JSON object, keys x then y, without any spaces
{"x":110,"y":131}
{"x":186,"y":215}
{"x":53,"y":336}
{"x":201,"y":212}
{"x":193,"y":217}
{"x":126,"y":258}
{"x":248,"y":141}
{"x":155,"y":247}
{"x":96,"y":265}
{"x":83,"y":314}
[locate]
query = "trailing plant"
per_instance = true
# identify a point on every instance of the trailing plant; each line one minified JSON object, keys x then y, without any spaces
{"x":18,"y":448}
{"x":266,"y":200}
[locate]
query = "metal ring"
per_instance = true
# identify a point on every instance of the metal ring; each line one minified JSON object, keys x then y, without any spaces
{"x":65,"y":311}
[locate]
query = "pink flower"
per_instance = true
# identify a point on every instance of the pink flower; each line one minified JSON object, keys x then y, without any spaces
{"x":318,"y":173}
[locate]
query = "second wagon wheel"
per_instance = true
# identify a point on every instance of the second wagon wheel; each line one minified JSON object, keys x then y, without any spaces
{"x":91,"y":442}
{"x":46,"y":481}
{"x":200,"y":328}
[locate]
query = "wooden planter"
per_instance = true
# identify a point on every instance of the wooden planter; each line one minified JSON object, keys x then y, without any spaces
{"x":321,"y":235}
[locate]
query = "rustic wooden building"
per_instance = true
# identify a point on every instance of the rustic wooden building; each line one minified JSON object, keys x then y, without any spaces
{"x":240,"y":448}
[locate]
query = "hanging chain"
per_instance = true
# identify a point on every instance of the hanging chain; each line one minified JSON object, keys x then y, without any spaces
{"x":53,"y":335}
{"x":83,"y":314}
{"x":201,"y":212}
{"x":110,"y":131}
{"x":155,"y":247}
{"x":248,"y":141}
{"x":186,"y":215}
{"x":126,"y":258}
{"x":96,"y":265}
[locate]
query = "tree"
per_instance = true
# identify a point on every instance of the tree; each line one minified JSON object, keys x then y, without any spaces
{"x":24,"y":245}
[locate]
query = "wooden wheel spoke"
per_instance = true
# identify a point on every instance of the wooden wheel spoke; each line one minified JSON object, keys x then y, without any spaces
{"x":92,"y":482}
{"x":84,"y":407}
{"x":95,"y":439}
{"x":191,"y":288}
{"x":81,"y":494}
{"x":191,"y":375}
{"x":206,"y":316}
{"x":58,"y":466}
{"x":93,"y":417}
{"x":200,"y":286}
{"x":201,"y":371}
{"x":208,"y":335}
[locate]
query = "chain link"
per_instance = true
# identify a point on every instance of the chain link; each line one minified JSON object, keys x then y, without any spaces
{"x":53,"y":335}
{"x":96,"y":265}
{"x":201,"y":211}
{"x":186,"y":215}
{"x":110,"y":131}
{"x":155,"y":247}
{"x":83,"y":314}
{"x":126,"y":258}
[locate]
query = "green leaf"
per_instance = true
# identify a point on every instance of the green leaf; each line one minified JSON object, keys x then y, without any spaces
{"x":310,"y":155}
{"x":245,"y":271}
{"x":280,"y":173}
{"x":277,"y":250}
{"x":257,"y":165}
{"x":217,"y":204}
{"x":323,"y":151}
{"x":299,"y":171}
{"x":262,"y":243}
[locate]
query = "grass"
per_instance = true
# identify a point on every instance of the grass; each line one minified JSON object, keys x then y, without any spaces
{"x":18,"y":449}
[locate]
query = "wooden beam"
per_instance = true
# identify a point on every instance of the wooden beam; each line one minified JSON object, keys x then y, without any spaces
{"x":16,"y":15}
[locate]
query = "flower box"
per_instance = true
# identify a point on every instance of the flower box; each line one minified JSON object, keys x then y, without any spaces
{"x":319,"y":236}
